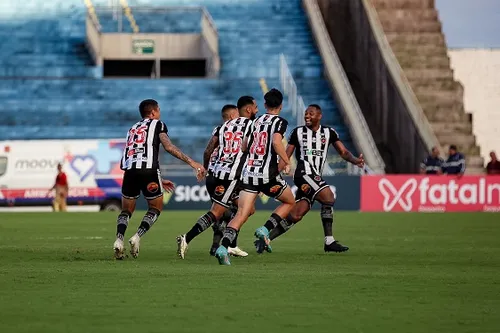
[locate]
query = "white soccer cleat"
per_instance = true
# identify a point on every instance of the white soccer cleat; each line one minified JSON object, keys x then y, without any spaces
{"x":135,"y":243}
{"x":119,"y":249}
{"x":236,"y":252}
{"x":182,"y":246}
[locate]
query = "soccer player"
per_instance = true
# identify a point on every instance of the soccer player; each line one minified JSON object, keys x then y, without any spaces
{"x":142,"y":173}
{"x":260,"y":174}
{"x":224,"y":171}
{"x":310,"y":143}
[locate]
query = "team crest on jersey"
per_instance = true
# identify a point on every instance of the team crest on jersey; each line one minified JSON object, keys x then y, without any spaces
{"x":305,"y":188}
{"x":275,"y":188}
{"x":219,"y":190}
{"x":323,"y":140}
{"x":317,"y":178}
{"x":152,"y":187}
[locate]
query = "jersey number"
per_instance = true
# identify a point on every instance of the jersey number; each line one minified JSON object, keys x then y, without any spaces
{"x":259,"y":143}
{"x":233,"y":142}
{"x":141,"y":135}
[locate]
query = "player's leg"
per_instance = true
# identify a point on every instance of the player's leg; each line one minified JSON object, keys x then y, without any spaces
{"x":130,"y":193}
{"x":300,"y":209}
{"x":203,"y":223}
{"x":151,"y":187}
{"x":234,"y":249}
{"x":327,"y":200}
{"x":246,"y":204}
{"x":279,"y":190}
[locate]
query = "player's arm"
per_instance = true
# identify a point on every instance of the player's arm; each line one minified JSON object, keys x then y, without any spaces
{"x":347,"y":155}
{"x":290,"y":148}
{"x":422,"y":167}
{"x":176,"y":152}
{"x":212,"y":144}
{"x":280,"y":148}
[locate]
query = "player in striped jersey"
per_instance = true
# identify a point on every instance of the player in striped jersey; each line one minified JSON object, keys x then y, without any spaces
{"x":310,"y":143}
{"x":261,"y":174}
{"x":142,"y":173}
{"x":227,"y":152}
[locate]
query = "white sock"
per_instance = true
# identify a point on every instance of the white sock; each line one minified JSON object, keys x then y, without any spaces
{"x":329,"y":240}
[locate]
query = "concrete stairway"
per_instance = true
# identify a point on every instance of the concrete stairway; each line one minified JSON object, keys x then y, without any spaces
{"x":414,"y":32}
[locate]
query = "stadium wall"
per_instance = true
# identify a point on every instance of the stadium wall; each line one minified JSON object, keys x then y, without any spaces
{"x":477,"y":70}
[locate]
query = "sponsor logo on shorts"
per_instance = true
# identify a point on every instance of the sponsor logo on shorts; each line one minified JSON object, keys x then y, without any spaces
{"x":219,"y":190}
{"x":152,"y":187}
{"x":275,"y":189}
{"x":305,"y":188}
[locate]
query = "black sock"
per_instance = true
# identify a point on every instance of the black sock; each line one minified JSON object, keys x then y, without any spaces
{"x":273,"y":221}
{"x":148,"y":220}
{"x":122,"y":224}
{"x":203,"y":223}
{"x":234,"y":243}
{"x":229,"y":236}
{"x":219,"y":227}
{"x":282,"y":227}
{"x":327,"y":219}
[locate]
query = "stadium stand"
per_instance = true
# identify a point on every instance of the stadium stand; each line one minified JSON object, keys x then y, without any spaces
{"x":48,"y":80}
{"x":414,"y":32}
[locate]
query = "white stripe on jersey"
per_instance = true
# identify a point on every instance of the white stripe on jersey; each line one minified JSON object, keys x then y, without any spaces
{"x":149,"y":152}
{"x":268,"y":153}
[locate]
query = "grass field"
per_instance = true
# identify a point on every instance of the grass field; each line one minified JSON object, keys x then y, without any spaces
{"x":403,"y":273}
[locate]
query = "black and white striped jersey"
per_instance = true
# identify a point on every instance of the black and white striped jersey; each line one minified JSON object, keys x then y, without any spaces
{"x":143,"y":144}
{"x":215,"y":153}
{"x":311,"y":148}
{"x":262,"y":160}
{"x":230,"y":156}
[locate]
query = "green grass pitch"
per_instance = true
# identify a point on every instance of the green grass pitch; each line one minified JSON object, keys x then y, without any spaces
{"x":403,"y":273}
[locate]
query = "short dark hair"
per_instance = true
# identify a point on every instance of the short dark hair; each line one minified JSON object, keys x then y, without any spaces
{"x":244,"y":101}
{"x":147,"y":106}
{"x":226,"y":108}
{"x":453,"y":147}
{"x":316,"y":106}
{"x":273,"y":98}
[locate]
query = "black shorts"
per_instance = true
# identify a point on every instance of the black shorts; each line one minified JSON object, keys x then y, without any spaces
{"x":146,"y":180}
{"x":223,"y":192}
{"x":308,"y":186}
{"x":273,"y":189}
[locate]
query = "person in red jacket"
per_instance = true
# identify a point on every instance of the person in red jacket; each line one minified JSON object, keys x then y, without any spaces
{"x":493,"y":167}
{"x":61,"y":187}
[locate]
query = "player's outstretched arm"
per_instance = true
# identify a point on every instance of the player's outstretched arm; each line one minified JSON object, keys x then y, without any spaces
{"x":289,"y":152}
{"x":176,"y":152}
{"x":347,"y":155}
{"x":212,"y":144}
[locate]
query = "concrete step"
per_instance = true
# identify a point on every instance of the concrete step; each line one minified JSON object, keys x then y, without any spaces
{"x":412,"y":38}
{"x":444,"y":113}
{"x":426,"y":49}
{"x":406,"y":26}
{"x":474,"y":160}
{"x":410,"y":61}
{"x":408,"y":14}
{"x":442,"y":97}
{"x":464,"y":142}
{"x":403,"y":4}
{"x":448,"y":127}
{"x":435,"y":84}
{"x":474,"y":170}
{"x":425,"y":74}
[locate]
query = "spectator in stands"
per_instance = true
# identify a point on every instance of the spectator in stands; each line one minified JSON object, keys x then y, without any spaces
{"x":493,"y":166}
{"x":455,"y":164}
{"x":432,"y":164}
{"x":61,"y":187}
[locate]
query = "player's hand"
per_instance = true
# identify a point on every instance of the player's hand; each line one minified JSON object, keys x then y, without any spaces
{"x":200,"y":171}
{"x":361,"y":161}
{"x":286,"y":170}
{"x":168,"y":185}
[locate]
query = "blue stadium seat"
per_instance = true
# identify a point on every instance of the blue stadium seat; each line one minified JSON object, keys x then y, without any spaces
{"x":47,"y":78}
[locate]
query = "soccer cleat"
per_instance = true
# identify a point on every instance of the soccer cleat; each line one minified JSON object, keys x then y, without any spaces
{"x":134,"y":242}
{"x":237,"y":252}
{"x":263,"y":234}
{"x":335,"y":247}
{"x":222,"y":255}
{"x":261,"y":246}
{"x":119,"y":249}
{"x":182,"y":246}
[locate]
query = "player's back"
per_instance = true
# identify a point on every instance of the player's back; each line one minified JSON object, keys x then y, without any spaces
{"x":230,"y":155}
{"x":143,"y":145}
{"x":262,"y":160}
